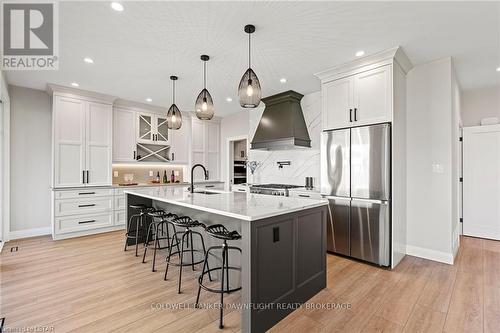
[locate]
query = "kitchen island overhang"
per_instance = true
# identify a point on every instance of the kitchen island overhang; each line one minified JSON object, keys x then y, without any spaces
{"x":283,"y":261}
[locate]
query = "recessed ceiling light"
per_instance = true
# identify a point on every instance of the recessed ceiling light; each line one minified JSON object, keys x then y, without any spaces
{"x":498,"y":69}
{"x":74,"y":84}
{"x":88,"y":60}
{"x":149,"y":100}
{"x":360,"y":53}
{"x":283,"y":80}
{"x":229,"y":99}
{"x":117,"y":6}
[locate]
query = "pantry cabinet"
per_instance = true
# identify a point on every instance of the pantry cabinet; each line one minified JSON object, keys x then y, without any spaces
{"x":180,"y":140}
{"x":358,"y":99}
{"x":82,"y":142}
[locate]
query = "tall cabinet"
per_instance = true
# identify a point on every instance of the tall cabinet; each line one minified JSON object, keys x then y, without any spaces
{"x":372,"y":90}
{"x":82,"y":135}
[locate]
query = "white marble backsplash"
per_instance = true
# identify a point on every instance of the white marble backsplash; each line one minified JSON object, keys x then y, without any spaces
{"x":304,"y":162}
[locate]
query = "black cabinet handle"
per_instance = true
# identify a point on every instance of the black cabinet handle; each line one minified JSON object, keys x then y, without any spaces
{"x":173,"y":155}
{"x":89,"y":205}
{"x":83,"y":176}
{"x":304,"y":196}
{"x":134,"y":155}
{"x":242,"y":190}
{"x":355,"y":114}
{"x":88,"y":181}
{"x":83,"y":222}
{"x":86,"y":193}
{"x":276,"y":234}
{"x":350,"y":115}
{"x":208,"y":186}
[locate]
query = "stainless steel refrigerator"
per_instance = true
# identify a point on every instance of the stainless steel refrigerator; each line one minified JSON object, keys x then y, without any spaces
{"x":356,"y":179}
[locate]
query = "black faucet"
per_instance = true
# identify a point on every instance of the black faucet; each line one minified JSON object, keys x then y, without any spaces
{"x":192,"y":178}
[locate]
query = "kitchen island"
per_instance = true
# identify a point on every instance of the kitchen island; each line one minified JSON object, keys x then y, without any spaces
{"x":283,"y":244}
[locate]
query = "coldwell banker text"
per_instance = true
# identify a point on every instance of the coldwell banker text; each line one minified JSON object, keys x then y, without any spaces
{"x":30,"y":36}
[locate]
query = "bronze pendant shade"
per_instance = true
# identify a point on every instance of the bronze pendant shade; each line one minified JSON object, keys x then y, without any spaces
{"x":204,"y":106}
{"x":249,"y":90}
{"x":174,"y":116}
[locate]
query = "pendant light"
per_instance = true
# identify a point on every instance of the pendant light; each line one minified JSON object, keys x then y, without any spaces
{"x":174,"y":116}
{"x":249,"y":89}
{"x":204,"y":107}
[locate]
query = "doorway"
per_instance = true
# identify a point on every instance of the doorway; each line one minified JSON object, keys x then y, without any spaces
{"x":237,"y":148}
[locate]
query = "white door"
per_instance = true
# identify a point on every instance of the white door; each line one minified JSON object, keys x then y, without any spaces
{"x":180,"y":141}
{"x":338,"y":103}
{"x":481,"y":183}
{"x":98,"y":144}
{"x":69,"y":141}
{"x":145,"y":128}
{"x":124,"y":140}
{"x":373,"y":96}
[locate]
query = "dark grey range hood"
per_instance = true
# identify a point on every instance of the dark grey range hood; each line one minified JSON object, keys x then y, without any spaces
{"x":282,"y":125}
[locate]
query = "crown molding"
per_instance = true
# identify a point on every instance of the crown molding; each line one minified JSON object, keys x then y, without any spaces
{"x":54,"y":89}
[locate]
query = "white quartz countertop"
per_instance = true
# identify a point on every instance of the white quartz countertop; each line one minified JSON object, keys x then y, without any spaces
{"x":239,"y":205}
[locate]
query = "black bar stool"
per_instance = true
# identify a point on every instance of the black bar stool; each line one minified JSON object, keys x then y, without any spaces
{"x":187,"y":238}
{"x":160,"y":222}
{"x":219,"y":231}
{"x":139,"y":221}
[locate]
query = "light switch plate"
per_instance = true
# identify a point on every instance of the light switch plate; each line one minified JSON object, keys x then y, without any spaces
{"x":115,"y":174}
{"x":437,"y":168}
{"x":150,"y":173}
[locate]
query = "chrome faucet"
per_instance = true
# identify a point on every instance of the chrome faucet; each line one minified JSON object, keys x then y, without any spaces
{"x":192,"y":178}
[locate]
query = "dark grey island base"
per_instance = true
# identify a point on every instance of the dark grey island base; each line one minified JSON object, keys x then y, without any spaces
{"x":283,"y":261}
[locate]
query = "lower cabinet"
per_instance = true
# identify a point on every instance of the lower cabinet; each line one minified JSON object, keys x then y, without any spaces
{"x":80,"y":212}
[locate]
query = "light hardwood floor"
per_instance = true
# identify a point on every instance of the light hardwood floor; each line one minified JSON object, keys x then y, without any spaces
{"x":89,"y":284}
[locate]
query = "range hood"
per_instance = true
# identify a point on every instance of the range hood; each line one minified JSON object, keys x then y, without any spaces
{"x":282,"y":125}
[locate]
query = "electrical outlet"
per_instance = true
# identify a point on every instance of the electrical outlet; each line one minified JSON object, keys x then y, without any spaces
{"x":115,"y":174}
{"x":151,"y":174}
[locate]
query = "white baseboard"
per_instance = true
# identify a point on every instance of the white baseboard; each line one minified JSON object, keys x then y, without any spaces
{"x":30,"y":233}
{"x":421,"y":252}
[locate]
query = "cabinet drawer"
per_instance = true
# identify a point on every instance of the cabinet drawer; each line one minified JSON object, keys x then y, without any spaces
{"x":83,"y":222}
{"x":83,"y":193}
{"x":120,"y":217}
{"x":119,"y":202}
{"x":83,"y":206}
{"x":305,"y":194}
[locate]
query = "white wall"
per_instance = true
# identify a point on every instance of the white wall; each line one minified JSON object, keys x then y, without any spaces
{"x":31,"y":130}
{"x":4,"y":161}
{"x":480,"y":103}
{"x":429,"y":161}
{"x":304,"y":162}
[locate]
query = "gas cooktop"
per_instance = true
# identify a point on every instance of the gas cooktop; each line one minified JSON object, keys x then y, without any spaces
{"x":275,"y":186}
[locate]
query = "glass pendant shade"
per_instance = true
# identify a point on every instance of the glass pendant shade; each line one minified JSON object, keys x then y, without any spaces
{"x":249,"y":90}
{"x":204,"y":107}
{"x":174,"y":116}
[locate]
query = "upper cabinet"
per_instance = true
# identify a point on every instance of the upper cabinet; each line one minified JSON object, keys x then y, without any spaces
{"x":124,"y":135}
{"x":205,"y":148}
{"x":180,"y":141}
{"x":359,"y":99}
{"x":361,"y":92}
{"x":82,"y":142}
{"x":152,"y":128}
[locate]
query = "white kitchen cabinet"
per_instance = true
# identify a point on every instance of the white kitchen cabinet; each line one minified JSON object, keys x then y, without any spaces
{"x":373,"y":96}
{"x":337,"y":103}
{"x":205,"y":148}
{"x":124,"y":135}
{"x":82,"y":142}
{"x":152,"y":128}
{"x":180,"y":140}
{"x":359,"y":99}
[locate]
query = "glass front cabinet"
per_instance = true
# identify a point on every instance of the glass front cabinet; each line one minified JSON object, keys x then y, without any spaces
{"x":152,"y":129}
